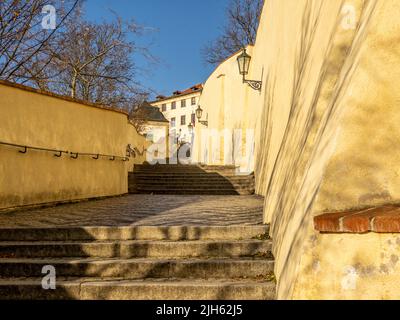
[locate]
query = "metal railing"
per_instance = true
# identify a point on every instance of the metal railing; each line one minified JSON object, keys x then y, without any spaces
{"x":59,"y":153}
{"x":97,"y":156}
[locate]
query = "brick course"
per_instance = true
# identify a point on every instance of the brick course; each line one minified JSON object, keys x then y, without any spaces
{"x":384,"y":219}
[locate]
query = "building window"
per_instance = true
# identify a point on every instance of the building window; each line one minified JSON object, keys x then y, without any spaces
{"x":173,"y":122}
{"x":193,"y":118}
{"x":183,"y":120}
{"x":193,"y":101}
{"x":183,"y":103}
{"x":164,"y":107}
{"x":173,"y":105}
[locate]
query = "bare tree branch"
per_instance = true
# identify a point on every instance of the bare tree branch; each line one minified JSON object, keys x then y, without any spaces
{"x":96,"y":62}
{"x":243,"y":17}
{"x":22,"y":38}
{"x":90,"y":61}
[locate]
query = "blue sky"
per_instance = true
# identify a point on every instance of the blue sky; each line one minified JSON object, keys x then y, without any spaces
{"x":181,"y":29}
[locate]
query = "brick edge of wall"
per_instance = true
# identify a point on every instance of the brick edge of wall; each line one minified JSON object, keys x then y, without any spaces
{"x":384,"y":219}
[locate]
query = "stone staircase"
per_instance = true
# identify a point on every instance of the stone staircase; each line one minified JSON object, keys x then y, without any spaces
{"x":189,"y":180}
{"x":138,"y":262}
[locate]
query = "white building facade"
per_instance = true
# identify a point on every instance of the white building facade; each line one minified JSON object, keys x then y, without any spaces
{"x":180,"y":110}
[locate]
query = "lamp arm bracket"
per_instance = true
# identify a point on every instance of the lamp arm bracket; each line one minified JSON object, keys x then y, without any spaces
{"x":256,"y":85}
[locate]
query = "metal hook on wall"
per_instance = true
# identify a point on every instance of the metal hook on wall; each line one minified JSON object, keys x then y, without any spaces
{"x":96,"y":157}
{"x":74,"y":155}
{"x":25,"y":150}
{"x":59,"y":154}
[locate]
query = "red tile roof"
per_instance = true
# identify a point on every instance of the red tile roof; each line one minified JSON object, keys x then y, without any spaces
{"x":193,"y":89}
{"x":196,"y":88}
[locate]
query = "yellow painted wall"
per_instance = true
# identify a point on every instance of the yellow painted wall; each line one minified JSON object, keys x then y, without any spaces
{"x":225,"y":101}
{"x":350,"y":266}
{"x":328,"y":134}
{"x":327,"y":130}
{"x":40,"y":120}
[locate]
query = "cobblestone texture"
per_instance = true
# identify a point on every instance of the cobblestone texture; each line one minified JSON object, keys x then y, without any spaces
{"x":150,"y":210}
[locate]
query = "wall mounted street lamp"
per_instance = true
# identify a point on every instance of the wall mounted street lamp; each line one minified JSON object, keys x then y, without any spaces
{"x":190,"y":128}
{"x":244,"y":65}
{"x":199,"y":115}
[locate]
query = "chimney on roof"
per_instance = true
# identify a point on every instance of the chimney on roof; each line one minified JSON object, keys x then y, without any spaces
{"x":177,"y":93}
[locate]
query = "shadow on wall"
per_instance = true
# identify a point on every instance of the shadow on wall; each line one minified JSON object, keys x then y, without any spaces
{"x":324,"y":61}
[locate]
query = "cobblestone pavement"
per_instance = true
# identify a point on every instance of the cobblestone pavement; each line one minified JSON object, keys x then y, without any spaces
{"x":150,"y":210}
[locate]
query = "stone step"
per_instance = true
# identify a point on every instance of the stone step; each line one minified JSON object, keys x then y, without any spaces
{"x":135,"y":249}
{"x":194,"y":192}
{"x":167,"y":191}
{"x":202,"y":166}
{"x":182,"y":191}
{"x":210,"y":190}
{"x":189,"y":174}
{"x":190,"y":182}
{"x":194,"y":178}
{"x":218,"y":167}
{"x":163,"y":187}
{"x":139,"y":268}
{"x":173,"y":233}
{"x":161,"y":289}
{"x":207,"y":168}
{"x":169,"y":177}
{"x":169,"y":187}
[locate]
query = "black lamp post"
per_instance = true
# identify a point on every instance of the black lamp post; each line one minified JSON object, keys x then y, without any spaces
{"x":244,"y":64}
{"x":199,"y":115}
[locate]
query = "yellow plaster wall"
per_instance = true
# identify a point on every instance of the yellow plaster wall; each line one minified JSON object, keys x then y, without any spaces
{"x":225,"y":103}
{"x":329,"y":132}
{"x":350,"y":266}
{"x":40,"y":120}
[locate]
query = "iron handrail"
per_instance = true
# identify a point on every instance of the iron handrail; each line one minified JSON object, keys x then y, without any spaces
{"x":59,"y":153}
{"x":26,"y":148}
{"x":96,"y":156}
